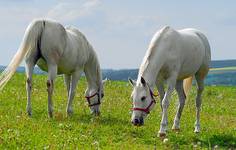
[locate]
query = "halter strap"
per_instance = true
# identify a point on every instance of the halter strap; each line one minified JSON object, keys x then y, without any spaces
{"x":89,"y":97}
{"x":146,"y":110}
{"x":152,"y":94}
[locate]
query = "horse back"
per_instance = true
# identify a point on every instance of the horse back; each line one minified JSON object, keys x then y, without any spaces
{"x":183,"y":51}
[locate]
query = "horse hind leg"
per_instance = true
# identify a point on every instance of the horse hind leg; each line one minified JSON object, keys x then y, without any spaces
{"x":29,"y":72}
{"x":182,"y":97}
{"x":31,"y":60}
{"x":200,"y":87}
{"x":52,"y":73}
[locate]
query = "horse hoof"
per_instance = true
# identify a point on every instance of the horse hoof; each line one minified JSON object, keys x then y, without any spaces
{"x":196,"y":131}
{"x":50,"y":115}
{"x":29,"y":114}
{"x":176,"y":130}
{"x":162,"y":135}
{"x":69,"y":113}
{"x":29,"y":111}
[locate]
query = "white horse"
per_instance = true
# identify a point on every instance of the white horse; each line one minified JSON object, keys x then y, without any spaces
{"x":172,"y":56}
{"x":58,"y":50}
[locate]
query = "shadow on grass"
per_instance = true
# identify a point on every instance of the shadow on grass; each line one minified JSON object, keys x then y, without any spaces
{"x":84,"y":118}
{"x":103,"y":120}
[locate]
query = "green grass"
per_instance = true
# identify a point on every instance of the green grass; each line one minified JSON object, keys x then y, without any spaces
{"x":112,"y":130}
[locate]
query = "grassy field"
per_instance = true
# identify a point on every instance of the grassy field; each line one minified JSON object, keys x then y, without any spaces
{"x":112,"y":130}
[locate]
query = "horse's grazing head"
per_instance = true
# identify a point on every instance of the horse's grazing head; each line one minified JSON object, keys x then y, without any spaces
{"x":94,"y":98}
{"x":143,"y":101}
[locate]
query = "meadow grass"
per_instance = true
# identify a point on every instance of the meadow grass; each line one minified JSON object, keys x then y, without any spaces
{"x":112,"y":130}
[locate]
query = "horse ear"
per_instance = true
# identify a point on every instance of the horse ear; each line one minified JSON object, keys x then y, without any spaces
{"x":132,"y":82}
{"x":143,"y":81}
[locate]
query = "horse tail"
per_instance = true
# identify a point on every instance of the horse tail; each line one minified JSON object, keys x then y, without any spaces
{"x":30,"y":39}
{"x":187,"y":85}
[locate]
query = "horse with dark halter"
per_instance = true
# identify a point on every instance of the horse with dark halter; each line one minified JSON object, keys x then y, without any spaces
{"x":174,"y":57}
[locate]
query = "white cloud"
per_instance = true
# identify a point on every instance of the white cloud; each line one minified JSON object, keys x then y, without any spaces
{"x":66,"y":11}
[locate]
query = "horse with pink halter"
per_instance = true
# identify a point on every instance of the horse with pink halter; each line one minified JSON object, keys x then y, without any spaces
{"x":173,"y":57}
{"x":58,"y":50}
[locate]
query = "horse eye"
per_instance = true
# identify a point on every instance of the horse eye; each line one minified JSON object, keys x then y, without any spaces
{"x":143,"y":98}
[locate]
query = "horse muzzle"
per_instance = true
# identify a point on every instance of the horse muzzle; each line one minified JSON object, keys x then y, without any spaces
{"x":138,"y":122}
{"x":95,"y":112}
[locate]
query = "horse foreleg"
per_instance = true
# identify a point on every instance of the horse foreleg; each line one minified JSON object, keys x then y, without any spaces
{"x":165,"y":104}
{"x":181,"y":95}
{"x":74,"y":80}
{"x":67,"y":79}
{"x":52,"y":72}
{"x":161,"y":91}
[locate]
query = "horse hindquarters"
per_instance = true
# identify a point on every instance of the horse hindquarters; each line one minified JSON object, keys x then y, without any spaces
{"x":200,"y":76}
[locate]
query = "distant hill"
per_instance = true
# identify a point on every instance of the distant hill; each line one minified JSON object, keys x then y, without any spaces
{"x":222,"y":77}
{"x":22,"y":69}
{"x":222,"y":63}
{"x":122,"y":74}
{"x":225,"y":77}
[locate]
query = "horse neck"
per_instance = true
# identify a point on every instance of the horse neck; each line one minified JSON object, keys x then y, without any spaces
{"x":93,"y":72}
{"x":150,"y":68}
{"x":153,"y":59}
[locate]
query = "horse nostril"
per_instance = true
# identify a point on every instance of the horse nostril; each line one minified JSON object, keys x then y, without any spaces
{"x":141,"y":121}
{"x":135,"y":122}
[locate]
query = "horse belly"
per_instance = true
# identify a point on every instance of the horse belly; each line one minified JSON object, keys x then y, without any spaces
{"x":190,"y":66}
{"x":187,"y":71}
{"x":61,"y":69}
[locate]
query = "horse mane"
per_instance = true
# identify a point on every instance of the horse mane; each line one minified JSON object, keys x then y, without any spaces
{"x":93,"y":60}
{"x":152,"y":48}
{"x":98,"y":70}
{"x":77,"y":31}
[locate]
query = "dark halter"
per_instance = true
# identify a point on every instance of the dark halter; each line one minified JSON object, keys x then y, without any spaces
{"x":146,"y":110}
{"x":89,"y":97}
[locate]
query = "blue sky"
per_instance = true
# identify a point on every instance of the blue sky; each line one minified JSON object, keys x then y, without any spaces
{"x":120,"y":30}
